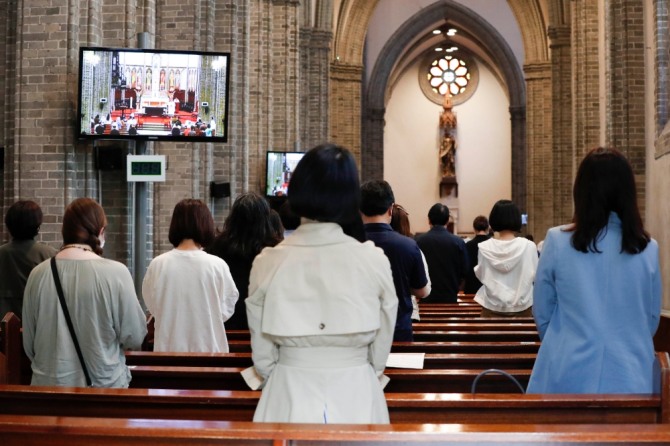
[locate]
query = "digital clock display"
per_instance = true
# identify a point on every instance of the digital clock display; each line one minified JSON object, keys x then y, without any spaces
{"x":146,"y":168}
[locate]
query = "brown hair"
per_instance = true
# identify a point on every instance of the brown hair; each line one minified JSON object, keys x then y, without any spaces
{"x":400,"y":220}
{"x":83,"y":221}
{"x":191,"y":219}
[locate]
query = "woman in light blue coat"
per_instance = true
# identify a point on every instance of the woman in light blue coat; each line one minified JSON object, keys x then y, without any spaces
{"x":597,"y":294}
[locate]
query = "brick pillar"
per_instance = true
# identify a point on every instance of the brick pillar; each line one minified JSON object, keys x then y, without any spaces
{"x":519,"y":157}
{"x":561,"y":75}
{"x":284,"y":70}
{"x":539,"y":161}
{"x":345,"y":103}
{"x":8,"y":60}
{"x":45,"y":88}
{"x":626,"y":86}
{"x":372,"y":162}
{"x":586,"y":81}
{"x":314,"y":63}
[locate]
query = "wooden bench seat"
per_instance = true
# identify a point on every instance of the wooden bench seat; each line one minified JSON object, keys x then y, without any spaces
{"x":479,"y":325}
{"x":431,"y":360}
{"x":436,"y":347}
{"x":229,"y":378}
{"x":480,"y":336}
{"x":403,"y":407}
{"x":73,"y":431}
{"x":480,"y":333}
{"x":437,"y":318}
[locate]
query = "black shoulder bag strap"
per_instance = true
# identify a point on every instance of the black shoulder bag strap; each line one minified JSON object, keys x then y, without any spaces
{"x":61,"y":298}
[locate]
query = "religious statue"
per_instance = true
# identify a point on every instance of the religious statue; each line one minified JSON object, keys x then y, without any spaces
{"x":447,"y":143}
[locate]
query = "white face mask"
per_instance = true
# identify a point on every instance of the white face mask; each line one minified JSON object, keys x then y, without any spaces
{"x":102,"y":240}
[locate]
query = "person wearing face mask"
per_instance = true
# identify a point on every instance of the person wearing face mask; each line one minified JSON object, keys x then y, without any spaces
{"x":99,"y":296}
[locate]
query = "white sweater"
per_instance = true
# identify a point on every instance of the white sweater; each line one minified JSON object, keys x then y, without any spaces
{"x":506,"y":269}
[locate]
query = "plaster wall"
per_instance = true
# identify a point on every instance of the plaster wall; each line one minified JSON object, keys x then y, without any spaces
{"x":483,"y":157}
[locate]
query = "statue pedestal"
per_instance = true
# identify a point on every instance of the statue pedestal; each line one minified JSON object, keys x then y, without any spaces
{"x":447,"y":184}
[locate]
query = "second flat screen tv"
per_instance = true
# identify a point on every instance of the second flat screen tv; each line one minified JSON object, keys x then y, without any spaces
{"x":153,"y":94}
{"x":278,"y":171}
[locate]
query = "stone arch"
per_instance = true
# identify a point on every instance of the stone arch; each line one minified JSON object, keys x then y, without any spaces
{"x":499,"y":52}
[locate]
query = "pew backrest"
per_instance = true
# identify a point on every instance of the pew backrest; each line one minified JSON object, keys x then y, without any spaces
{"x":20,"y":430}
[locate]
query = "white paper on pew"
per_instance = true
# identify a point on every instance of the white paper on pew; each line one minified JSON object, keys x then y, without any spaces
{"x":252,"y":378}
{"x":405,"y":360}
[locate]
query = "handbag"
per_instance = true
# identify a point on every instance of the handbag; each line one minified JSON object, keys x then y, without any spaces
{"x":66,"y":313}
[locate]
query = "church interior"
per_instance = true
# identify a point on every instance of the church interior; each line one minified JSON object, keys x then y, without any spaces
{"x":533,"y":85}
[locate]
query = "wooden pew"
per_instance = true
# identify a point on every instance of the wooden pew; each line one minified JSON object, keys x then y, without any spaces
{"x":479,"y":325}
{"x":480,"y":336}
{"x":431,"y":360}
{"x":436,"y":318}
{"x":422,"y":381}
{"x":11,"y":345}
{"x":435,"y":347}
{"x":481,"y":333}
{"x":72,"y":431}
{"x":454,"y":347}
{"x":403,"y":407}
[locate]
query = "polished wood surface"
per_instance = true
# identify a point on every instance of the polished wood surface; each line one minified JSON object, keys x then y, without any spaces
{"x":403,"y":407}
{"x":24,"y":430}
{"x":431,"y":360}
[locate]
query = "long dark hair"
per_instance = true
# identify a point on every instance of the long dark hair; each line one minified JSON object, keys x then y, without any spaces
{"x":325,"y":187}
{"x":248,"y":228}
{"x":605,"y":183}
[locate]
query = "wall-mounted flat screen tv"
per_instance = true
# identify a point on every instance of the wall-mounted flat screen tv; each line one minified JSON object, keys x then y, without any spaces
{"x":153,"y":94}
{"x":278,"y":171}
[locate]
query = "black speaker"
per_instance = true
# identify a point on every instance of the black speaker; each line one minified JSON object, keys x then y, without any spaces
{"x":2,"y":158}
{"x":109,"y":158}
{"x":219,"y":190}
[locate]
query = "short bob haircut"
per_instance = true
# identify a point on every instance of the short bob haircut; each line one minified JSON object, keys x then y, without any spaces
{"x":325,"y":186}
{"x":376,"y":197}
{"x":191,"y":219}
{"x":438,"y":215}
{"x":505,"y":216}
{"x":605,"y":183}
{"x":83,"y":222}
{"x":480,"y":223}
{"x":23,"y":220}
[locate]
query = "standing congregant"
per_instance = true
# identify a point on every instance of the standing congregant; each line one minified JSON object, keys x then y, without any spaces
{"x":190,"y":293}
{"x":597,"y":298}
{"x":445,"y":254}
{"x":409,"y":275}
{"x":20,"y":255}
{"x":321,"y":305}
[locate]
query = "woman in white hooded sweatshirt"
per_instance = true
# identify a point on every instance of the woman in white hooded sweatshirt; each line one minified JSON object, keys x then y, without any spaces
{"x":506,"y":266}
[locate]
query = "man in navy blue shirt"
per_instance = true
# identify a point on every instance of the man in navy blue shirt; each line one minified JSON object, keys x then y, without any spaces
{"x":409,"y":275}
{"x":446,"y":256}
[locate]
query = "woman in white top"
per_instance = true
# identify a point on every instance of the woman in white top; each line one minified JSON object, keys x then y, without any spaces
{"x":189,"y":292}
{"x":506,"y":266}
{"x":322,"y":305}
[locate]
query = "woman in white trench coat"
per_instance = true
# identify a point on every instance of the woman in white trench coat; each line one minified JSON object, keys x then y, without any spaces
{"x":322,"y":305}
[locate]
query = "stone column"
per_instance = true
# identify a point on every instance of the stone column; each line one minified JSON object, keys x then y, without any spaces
{"x":345,"y":103}
{"x":539,"y":161}
{"x":624,"y":35}
{"x":561,"y":85}
{"x":314,"y":63}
